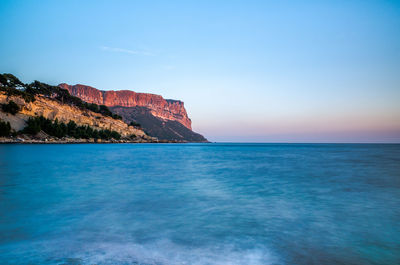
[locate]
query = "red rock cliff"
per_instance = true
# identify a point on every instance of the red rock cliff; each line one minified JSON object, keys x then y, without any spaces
{"x":163,"y":108}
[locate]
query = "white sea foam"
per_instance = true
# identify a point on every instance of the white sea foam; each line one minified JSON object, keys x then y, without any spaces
{"x":164,"y":252}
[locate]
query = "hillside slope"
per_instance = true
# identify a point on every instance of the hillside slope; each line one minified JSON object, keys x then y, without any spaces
{"x":170,"y":130}
{"x":52,"y":110}
{"x":38,"y":110}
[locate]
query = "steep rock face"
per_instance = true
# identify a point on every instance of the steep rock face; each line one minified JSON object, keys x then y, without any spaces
{"x":162,"y":129}
{"x":165,"y":109}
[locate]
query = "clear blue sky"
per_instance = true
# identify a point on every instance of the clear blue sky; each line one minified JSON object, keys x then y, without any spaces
{"x":293,"y":71}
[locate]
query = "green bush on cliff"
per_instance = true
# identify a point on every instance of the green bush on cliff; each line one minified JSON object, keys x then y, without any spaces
{"x":93,"y":107}
{"x":116,"y":116}
{"x":60,"y":129}
{"x":12,"y":86}
{"x":11,"y":107}
{"x":10,"y":81}
{"x":103,"y":109}
{"x":134,"y":124}
{"x":32,"y":126}
{"x":5,"y":128}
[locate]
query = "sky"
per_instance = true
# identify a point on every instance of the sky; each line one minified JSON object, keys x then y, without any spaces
{"x":248,"y":71}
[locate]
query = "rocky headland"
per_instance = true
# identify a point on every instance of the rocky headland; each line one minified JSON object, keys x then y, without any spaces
{"x":165,"y":119}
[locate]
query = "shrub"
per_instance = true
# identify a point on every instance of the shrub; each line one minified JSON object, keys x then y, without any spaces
{"x":132,"y":137}
{"x":15,"y":92}
{"x":115,"y":135}
{"x":134,"y":124}
{"x":32,"y":126}
{"x":14,"y":87}
{"x":116,"y":116}
{"x":9,"y":80}
{"x":5,"y":128}
{"x":11,"y":107}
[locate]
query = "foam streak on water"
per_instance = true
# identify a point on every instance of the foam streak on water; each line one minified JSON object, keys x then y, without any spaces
{"x":200,"y":204}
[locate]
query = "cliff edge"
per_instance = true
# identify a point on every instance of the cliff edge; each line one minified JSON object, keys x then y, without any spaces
{"x":165,"y":119}
{"x":166,"y":109}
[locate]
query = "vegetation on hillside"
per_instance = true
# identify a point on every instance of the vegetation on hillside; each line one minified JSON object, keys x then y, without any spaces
{"x":10,"y":107}
{"x":5,"y":128}
{"x":134,"y":124}
{"x":71,"y":129}
{"x":14,"y":87}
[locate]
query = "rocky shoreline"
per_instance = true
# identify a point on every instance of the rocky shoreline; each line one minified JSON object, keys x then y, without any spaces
{"x":26,"y":140}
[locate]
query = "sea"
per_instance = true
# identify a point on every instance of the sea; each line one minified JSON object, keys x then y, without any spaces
{"x":210,"y":203}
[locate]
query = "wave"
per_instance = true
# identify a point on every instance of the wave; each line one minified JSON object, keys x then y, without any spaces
{"x":160,"y":252}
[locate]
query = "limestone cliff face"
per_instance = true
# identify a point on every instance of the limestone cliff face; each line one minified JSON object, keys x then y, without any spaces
{"x":52,"y":109}
{"x":165,"y":109}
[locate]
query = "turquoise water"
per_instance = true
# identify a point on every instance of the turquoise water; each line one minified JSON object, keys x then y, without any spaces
{"x":200,"y":204}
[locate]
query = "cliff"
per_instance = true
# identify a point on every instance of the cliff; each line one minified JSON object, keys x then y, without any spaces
{"x":159,"y":107}
{"x":164,"y":119}
{"x":52,"y":109}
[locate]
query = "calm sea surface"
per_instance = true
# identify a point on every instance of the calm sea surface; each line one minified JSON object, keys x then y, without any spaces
{"x":200,"y":204}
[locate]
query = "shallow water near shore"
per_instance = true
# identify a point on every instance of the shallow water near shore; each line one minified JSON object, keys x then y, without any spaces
{"x":200,"y":204}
